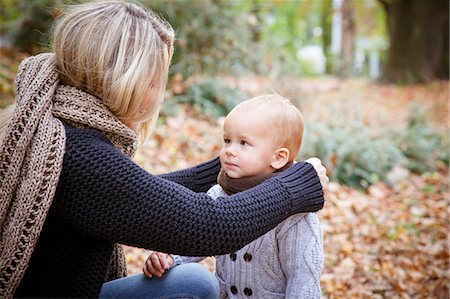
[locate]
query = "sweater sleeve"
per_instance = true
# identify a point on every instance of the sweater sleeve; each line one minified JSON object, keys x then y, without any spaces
{"x":198,"y":178}
{"x":103,"y":194}
{"x":215,"y":192}
{"x":301,"y":255}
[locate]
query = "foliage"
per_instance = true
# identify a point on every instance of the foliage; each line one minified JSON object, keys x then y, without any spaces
{"x":28,"y":27}
{"x":215,"y":36}
{"x":326,"y":20}
{"x":425,"y":149}
{"x":370,"y":18}
{"x":212,"y":36}
{"x":10,"y":11}
{"x":357,"y":155}
{"x":283,"y":28}
{"x":210,"y":97}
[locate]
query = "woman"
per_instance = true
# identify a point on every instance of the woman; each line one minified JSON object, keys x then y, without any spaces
{"x":69,"y":189}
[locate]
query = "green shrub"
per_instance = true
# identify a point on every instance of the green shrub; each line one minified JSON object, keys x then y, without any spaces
{"x":29,"y":25}
{"x":212,"y":36}
{"x":424,"y":148}
{"x":358,"y":155}
{"x":355,"y":153}
{"x":209,"y":97}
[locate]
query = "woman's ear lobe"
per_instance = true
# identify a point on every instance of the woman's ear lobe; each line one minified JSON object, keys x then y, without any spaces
{"x":280,"y":158}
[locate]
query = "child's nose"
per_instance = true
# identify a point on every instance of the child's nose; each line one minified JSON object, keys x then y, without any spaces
{"x":230,"y":151}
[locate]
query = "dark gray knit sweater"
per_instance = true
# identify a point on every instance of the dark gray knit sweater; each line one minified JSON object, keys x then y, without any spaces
{"x":104,"y":198}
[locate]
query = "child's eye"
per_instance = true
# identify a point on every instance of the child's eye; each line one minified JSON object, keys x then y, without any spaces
{"x":226,"y":140}
{"x":243,"y":142}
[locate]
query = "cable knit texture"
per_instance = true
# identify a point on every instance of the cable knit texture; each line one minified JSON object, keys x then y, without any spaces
{"x":286,"y":262}
{"x":32,"y":155}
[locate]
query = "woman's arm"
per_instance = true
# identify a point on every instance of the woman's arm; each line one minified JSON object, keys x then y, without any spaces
{"x":103,"y":194}
{"x":198,"y":178}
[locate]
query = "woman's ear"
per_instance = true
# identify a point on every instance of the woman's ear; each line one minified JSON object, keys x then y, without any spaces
{"x":280,"y":158}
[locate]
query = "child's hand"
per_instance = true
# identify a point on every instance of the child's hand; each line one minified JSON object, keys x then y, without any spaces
{"x":321,"y":171}
{"x":157,"y":263}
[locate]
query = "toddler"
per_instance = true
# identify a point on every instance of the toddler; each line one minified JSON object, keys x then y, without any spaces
{"x":262,"y":136}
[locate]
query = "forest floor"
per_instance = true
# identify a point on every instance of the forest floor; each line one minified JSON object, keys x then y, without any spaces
{"x":385,"y":242}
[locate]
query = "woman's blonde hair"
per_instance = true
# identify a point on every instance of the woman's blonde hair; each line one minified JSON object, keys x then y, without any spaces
{"x":116,"y":51}
{"x":286,"y":121}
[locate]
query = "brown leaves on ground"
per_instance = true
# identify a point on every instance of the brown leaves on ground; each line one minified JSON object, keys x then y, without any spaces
{"x":388,"y":242}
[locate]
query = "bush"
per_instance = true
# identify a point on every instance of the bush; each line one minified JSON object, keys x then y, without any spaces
{"x":356,"y":154}
{"x":28,"y":26}
{"x":425,"y":149}
{"x":209,"y":97}
{"x":212,"y":36}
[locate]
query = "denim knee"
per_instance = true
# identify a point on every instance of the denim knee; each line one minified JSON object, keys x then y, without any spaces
{"x":192,"y":281}
{"x":200,"y":279}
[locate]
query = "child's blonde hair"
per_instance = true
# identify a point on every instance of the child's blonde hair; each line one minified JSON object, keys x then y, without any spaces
{"x":285,"y":120}
{"x":115,"y":51}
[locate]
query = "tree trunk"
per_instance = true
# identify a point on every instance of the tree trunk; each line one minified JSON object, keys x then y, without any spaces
{"x":348,"y":32}
{"x":419,"y":41}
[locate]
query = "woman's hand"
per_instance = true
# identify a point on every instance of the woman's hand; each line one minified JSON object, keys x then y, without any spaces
{"x":157,"y":263}
{"x":321,"y":171}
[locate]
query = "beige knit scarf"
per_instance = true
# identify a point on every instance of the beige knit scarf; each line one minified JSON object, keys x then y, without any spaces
{"x":31,"y":157}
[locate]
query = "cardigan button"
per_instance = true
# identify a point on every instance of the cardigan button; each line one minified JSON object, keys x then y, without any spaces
{"x":233,"y":290}
{"x":247,"y":257}
{"x":233,"y":256}
{"x":248,"y":292}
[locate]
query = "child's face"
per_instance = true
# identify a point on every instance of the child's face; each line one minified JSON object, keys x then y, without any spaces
{"x":248,"y":147}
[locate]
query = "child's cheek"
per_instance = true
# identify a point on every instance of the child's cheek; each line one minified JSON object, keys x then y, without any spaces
{"x":246,"y":162}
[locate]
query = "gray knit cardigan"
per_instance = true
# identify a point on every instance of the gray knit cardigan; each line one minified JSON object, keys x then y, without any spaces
{"x":286,"y":262}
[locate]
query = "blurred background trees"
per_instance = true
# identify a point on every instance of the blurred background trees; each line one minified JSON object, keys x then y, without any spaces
{"x":398,"y":41}
{"x":418,"y":39}
{"x":280,"y":43}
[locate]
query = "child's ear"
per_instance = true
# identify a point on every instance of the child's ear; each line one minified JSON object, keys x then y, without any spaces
{"x":280,"y":158}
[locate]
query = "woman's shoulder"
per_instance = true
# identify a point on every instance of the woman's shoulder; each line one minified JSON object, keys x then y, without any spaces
{"x":87,"y":139}
{"x":90,"y":156}
{"x":86,"y":143}
{"x":74,"y":134}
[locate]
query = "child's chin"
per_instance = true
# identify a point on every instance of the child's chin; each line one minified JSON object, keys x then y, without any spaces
{"x":233,"y":175}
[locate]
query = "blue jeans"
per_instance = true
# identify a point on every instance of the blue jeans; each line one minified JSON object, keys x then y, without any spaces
{"x":192,"y":281}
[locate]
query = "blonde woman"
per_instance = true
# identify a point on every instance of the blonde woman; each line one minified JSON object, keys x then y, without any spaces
{"x":70,"y":192}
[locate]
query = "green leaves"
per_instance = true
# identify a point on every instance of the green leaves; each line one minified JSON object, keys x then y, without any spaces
{"x":210,"y":97}
{"x":359,"y":155}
